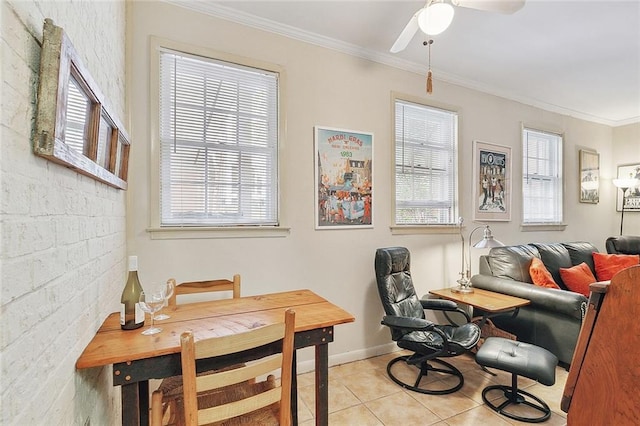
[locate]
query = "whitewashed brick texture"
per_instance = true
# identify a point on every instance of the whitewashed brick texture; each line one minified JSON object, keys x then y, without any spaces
{"x":63,"y":242}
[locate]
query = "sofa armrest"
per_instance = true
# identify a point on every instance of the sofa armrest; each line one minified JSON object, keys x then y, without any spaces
{"x":623,"y":244}
{"x":561,"y":301}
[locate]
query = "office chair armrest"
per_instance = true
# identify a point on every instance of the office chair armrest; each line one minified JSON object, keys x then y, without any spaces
{"x":445,"y":306}
{"x":439,"y":304}
{"x":407,"y":323}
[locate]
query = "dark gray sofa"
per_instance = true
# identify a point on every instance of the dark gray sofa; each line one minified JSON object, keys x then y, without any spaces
{"x":554,"y":317}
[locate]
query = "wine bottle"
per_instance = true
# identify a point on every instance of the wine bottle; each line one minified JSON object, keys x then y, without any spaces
{"x":131,"y":315}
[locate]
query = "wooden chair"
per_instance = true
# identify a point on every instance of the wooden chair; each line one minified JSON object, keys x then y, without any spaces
{"x":171,"y":388}
{"x":235,"y":396}
{"x":195,"y":287}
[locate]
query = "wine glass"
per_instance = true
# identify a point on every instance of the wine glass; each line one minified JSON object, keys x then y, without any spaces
{"x":152,"y":303}
{"x":168,"y":292}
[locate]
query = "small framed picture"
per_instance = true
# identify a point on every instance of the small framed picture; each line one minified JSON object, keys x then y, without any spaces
{"x":632,"y":195}
{"x":344,"y":179}
{"x":491,"y":182}
{"x":589,"y":177}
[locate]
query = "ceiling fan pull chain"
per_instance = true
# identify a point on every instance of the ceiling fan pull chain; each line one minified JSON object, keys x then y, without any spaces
{"x":429,"y":73}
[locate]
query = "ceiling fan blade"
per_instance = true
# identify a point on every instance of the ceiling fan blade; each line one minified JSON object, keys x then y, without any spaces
{"x":407,"y":34}
{"x":500,"y":6}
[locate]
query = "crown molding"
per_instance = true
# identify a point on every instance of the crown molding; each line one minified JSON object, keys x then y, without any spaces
{"x":243,"y":18}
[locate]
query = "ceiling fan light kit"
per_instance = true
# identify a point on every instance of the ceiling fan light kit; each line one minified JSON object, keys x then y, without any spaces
{"x":435,"y":18}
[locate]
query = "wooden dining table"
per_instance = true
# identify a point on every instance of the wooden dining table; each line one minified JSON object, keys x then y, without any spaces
{"x":137,"y":358}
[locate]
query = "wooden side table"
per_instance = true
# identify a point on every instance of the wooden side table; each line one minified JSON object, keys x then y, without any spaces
{"x":491,"y":303}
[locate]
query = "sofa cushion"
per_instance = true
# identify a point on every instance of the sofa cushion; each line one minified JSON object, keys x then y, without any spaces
{"x":512,"y":262}
{"x":540,"y":275}
{"x":578,"y":278}
{"x":554,"y":256}
{"x":581,"y":252}
{"x":607,"y":265}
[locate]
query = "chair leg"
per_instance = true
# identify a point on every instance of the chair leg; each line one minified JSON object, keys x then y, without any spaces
{"x":425,"y":368}
{"x":515,"y":396}
{"x":156,"y":408}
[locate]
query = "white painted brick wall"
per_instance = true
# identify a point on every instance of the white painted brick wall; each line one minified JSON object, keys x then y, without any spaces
{"x":62,"y":235}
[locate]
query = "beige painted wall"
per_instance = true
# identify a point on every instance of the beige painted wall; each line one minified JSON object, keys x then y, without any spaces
{"x":325,"y":87}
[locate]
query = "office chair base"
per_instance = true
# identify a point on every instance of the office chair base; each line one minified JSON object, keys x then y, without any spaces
{"x":517,"y":396}
{"x":425,"y":367}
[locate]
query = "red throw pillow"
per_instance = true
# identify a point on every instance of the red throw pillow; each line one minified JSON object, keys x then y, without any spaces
{"x":578,"y":278}
{"x":540,"y":275}
{"x":607,"y":265}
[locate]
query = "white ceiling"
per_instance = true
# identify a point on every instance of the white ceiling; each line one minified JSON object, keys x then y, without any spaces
{"x":576,"y":57}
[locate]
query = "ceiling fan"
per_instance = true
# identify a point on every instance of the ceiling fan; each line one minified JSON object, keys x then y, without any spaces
{"x":436,"y":16}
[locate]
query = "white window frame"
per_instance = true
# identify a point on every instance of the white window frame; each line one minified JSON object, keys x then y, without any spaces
{"x":542,"y":177}
{"x":450,"y":185}
{"x":159,"y":231}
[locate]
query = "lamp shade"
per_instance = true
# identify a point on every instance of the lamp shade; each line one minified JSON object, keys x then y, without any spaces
{"x":435,"y":18}
{"x":487,"y":240}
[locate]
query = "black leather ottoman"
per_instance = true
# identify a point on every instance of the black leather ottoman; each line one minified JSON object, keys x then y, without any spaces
{"x":519,"y":359}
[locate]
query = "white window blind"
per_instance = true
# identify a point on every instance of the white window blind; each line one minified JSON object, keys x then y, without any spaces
{"x":542,"y":177}
{"x":219,"y":143}
{"x":425,"y":165}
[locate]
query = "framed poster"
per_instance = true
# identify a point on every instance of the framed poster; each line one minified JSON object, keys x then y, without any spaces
{"x":632,"y":200}
{"x":491,"y":182}
{"x":589,"y":176}
{"x":344,"y":178}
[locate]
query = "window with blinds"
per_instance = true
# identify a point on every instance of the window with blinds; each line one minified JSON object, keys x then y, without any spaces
{"x":426,"y":141}
{"x":542,"y":177}
{"x":219,"y":142}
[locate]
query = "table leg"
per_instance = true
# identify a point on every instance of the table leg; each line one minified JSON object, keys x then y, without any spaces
{"x":143,"y":391}
{"x":294,"y":391}
{"x":130,"y":404}
{"x":135,"y":403}
{"x":322,"y":384}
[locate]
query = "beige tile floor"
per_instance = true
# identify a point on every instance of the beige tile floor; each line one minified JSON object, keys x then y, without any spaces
{"x":361,"y":393}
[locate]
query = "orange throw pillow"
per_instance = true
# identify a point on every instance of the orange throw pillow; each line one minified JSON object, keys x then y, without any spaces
{"x":540,"y":275}
{"x":578,"y":278}
{"x":607,"y":265}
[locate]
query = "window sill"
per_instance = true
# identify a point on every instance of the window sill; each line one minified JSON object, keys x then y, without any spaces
{"x":186,"y":233}
{"x":536,"y":227}
{"x":424,"y":229}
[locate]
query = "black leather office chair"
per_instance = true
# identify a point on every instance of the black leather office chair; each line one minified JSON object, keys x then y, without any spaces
{"x":412,"y":331}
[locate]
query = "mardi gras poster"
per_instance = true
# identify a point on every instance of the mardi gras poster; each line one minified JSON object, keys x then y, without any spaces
{"x":344,"y":171}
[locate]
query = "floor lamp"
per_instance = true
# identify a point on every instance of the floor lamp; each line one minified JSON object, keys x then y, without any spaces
{"x":624,"y":185}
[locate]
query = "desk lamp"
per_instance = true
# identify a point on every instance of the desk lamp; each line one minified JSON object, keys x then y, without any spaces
{"x":487,"y":241}
{"x":624,"y":185}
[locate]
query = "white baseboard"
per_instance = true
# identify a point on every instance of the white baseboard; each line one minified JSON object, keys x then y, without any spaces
{"x":343,"y":358}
